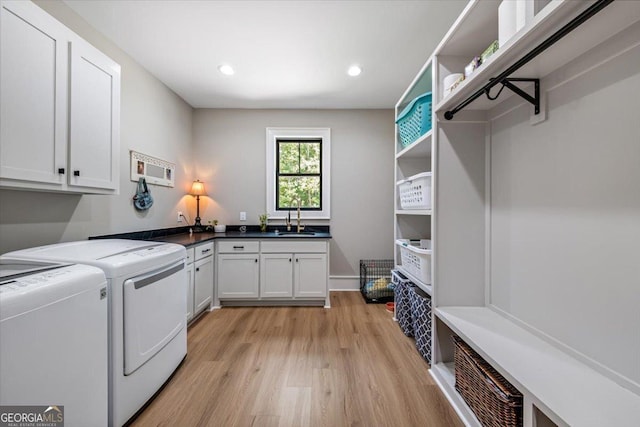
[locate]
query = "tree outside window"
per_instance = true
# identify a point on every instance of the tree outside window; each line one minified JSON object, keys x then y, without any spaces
{"x":299,"y":174}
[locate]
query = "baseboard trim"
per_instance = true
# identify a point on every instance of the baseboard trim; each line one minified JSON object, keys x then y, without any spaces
{"x":344,"y":283}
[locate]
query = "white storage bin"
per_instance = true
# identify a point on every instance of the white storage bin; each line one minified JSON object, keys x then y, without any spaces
{"x":415,"y":191}
{"x":416,"y":258}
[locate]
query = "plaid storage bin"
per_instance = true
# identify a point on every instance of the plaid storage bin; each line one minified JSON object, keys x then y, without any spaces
{"x":402,"y":291}
{"x":421,"y":314}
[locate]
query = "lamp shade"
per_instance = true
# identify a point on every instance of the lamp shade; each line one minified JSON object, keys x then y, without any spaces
{"x":197,"y":188}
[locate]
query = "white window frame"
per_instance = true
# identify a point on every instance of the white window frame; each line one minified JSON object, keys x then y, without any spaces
{"x":303,"y":133}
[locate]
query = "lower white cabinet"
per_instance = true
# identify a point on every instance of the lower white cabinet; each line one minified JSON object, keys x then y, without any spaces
{"x":310,"y":276}
{"x":273,"y":270}
{"x":203,"y":284}
{"x":200,"y":269}
{"x":238,"y":276}
{"x":276,"y":275}
{"x":293,"y":275}
{"x":190,"y":288}
{"x":238,"y":269}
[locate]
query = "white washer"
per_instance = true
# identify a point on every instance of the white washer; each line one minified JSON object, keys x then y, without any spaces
{"x":148,"y":305}
{"x":53,"y":338}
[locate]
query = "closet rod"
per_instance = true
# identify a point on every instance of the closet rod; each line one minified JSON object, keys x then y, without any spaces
{"x":572,"y":25}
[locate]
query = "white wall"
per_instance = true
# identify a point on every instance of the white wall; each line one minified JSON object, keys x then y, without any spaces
{"x":230,"y":150}
{"x":154,"y":121}
{"x":565,"y":209}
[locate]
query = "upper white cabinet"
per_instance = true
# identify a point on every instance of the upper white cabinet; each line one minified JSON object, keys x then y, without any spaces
{"x":94,"y":118}
{"x":60,"y":106}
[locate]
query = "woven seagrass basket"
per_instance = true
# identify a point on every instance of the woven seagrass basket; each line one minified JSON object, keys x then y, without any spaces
{"x":495,"y":401}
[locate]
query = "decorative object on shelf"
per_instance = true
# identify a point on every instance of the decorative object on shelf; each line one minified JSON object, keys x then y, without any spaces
{"x":490,"y":50}
{"x":471,"y":67}
{"x":142,"y":200}
{"x":219,"y":228}
{"x":263,"y":222}
{"x":490,"y":396}
{"x":155,"y":171}
{"x":415,"y":120}
{"x":512,"y":16}
{"x":451,"y":82}
{"x":197,"y":190}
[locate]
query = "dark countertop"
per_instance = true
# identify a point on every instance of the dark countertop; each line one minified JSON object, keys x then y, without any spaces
{"x":182,"y":237}
{"x":186,"y":239}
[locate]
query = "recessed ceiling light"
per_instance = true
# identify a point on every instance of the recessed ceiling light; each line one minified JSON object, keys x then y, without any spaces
{"x":354,"y":71}
{"x":226,"y":69}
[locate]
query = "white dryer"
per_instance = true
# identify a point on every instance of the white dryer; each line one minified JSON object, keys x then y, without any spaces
{"x":53,"y":339}
{"x":148,"y":301}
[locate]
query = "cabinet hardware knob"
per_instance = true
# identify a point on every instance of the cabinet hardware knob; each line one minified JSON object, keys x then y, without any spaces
{"x":198,"y":269}
{"x":256,"y":260}
{"x":297,"y":259}
{"x":76,"y":173}
{"x":289,"y":259}
{"x":61,"y":171}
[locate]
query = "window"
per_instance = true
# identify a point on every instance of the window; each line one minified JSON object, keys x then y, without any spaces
{"x":298,"y":171}
{"x":298,"y":174}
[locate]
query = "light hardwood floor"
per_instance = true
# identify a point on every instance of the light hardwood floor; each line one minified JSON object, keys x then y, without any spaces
{"x":301,"y":366}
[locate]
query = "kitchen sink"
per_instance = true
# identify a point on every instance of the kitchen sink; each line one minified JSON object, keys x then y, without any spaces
{"x":295,"y":233}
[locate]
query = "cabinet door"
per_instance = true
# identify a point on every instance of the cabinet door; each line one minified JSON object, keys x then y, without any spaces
{"x":238,"y":276}
{"x":276,"y":275}
{"x":310,"y":275}
{"x":203,"y":284}
{"x":33,"y":95}
{"x":190,"y":290}
{"x":94,"y":118}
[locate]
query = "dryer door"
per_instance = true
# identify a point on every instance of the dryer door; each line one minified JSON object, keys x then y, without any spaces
{"x":154,"y":312}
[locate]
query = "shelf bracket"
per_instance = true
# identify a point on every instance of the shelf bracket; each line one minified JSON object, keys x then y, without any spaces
{"x":507,"y":82}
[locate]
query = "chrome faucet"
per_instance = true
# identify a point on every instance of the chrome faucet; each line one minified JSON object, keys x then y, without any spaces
{"x":300,"y":226}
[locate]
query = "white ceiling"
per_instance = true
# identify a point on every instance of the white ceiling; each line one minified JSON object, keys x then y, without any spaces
{"x":286,"y":54}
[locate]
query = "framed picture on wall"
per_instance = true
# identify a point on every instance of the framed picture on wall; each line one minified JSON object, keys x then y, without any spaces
{"x":155,"y":171}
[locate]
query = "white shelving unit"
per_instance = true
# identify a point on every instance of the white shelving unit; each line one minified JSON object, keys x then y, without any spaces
{"x":523,"y":302}
{"x":409,"y":161}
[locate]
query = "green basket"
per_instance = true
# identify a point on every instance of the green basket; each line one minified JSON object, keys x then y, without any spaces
{"x":415,"y":119}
